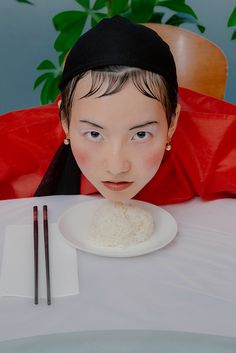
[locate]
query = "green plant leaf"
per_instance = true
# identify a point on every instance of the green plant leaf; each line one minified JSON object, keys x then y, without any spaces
{"x":97,"y":17}
{"x":178,"y":7}
{"x":67,"y":39}
{"x":233,"y":35}
{"x":45,"y":93}
{"x":84,"y":3}
{"x":142,"y":10}
{"x":68,"y":19}
{"x":61,"y":59}
{"x":232,"y":19}
{"x":157,"y":17}
{"x":70,"y":34}
{"x":175,"y":1}
{"x":118,"y":6}
{"x":25,"y":2}
{"x":179,"y":19}
{"x":99,"y":4}
{"x":46,"y":65}
{"x":201,"y":28}
{"x":42,"y":78}
{"x":54,"y":91}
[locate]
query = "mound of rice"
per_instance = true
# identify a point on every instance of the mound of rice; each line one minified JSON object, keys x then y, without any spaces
{"x":120,"y":225}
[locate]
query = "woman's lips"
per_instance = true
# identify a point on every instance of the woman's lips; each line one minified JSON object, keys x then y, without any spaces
{"x":117,"y":186}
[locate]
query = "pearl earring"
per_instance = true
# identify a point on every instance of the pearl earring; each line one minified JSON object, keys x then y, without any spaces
{"x":66,"y":141}
{"x":168,"y":146}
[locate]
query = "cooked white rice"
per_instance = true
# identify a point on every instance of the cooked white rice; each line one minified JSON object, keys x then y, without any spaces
{"x":120,"y":225}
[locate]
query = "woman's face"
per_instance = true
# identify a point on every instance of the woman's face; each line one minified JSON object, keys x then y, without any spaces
{"x":119,"y":140}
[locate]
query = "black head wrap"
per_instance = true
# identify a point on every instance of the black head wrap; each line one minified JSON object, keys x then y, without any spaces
{"x":117,"y":41}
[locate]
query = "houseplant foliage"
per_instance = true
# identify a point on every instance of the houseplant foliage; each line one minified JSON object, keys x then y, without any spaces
{"x":71,"y":24}
{"x":232,"y":22}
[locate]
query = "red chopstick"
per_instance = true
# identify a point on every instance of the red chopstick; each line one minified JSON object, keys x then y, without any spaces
{"x":35,"y":218}
{"x":46,"y":252}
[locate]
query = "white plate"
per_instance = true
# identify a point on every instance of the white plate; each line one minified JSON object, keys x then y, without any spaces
{"x":74,"y":227}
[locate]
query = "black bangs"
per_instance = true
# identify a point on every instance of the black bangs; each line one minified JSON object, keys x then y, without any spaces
{"x":111,"y":79}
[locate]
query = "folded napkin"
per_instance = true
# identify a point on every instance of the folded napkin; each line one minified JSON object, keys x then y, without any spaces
{"x":17,"y":269}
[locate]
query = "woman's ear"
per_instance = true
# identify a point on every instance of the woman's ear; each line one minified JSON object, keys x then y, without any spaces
{"x":174,"y":122}
{"x":64,"y":121}
{"x":64,"y":124}
{"x":59,"y":103}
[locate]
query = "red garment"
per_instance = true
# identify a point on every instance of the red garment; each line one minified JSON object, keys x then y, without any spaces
{"x":202,"y":161}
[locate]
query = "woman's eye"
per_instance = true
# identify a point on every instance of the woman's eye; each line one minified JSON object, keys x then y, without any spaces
{"x":141,"y":136}
{"x":93,"y":135}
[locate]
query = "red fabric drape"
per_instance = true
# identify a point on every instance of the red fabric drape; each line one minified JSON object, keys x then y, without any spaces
{"x":202,"y":161}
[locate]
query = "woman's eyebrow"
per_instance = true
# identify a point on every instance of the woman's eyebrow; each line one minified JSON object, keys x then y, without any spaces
{"x":89,"y":122}
{"x":143,"y":125}
{"x":132,"y":128}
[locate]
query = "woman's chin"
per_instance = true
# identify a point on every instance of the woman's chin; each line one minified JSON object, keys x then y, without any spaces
{"x":117,"y":196}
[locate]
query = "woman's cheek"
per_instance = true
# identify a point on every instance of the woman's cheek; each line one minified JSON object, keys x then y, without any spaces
{"x":153,"y":160}
{"x":82,"y":157}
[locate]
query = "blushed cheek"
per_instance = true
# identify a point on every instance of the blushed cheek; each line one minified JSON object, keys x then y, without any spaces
{"x":82,"y":158}
{"x":153,"y":161}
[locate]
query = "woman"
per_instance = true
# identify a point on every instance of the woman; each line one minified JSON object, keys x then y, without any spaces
{"x":118,"y":109}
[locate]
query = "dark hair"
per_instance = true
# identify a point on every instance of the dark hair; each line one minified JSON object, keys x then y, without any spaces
{"x":148,"y":83}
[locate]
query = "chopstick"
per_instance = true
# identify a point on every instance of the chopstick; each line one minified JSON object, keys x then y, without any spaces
{"x":35,"y":219}
{"x":46,"y":252}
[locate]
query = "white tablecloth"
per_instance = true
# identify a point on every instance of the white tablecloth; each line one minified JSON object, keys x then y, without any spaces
{"x":190,"y":285}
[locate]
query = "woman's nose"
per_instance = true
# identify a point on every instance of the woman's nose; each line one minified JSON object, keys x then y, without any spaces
{"x":117,"y":161}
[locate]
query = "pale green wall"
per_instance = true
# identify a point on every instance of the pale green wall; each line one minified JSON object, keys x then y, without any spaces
{"x":27,"y":35}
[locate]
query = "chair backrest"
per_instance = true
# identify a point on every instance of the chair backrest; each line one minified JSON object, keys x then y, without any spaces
{"x":201,"y":65}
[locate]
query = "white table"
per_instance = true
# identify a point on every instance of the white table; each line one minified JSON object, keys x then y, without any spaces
{"x":190,"y":285}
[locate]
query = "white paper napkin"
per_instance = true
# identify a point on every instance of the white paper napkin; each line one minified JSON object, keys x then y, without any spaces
{"x":17,"y":269}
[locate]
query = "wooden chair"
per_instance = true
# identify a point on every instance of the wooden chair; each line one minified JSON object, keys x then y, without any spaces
{"x":201,"y":65}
